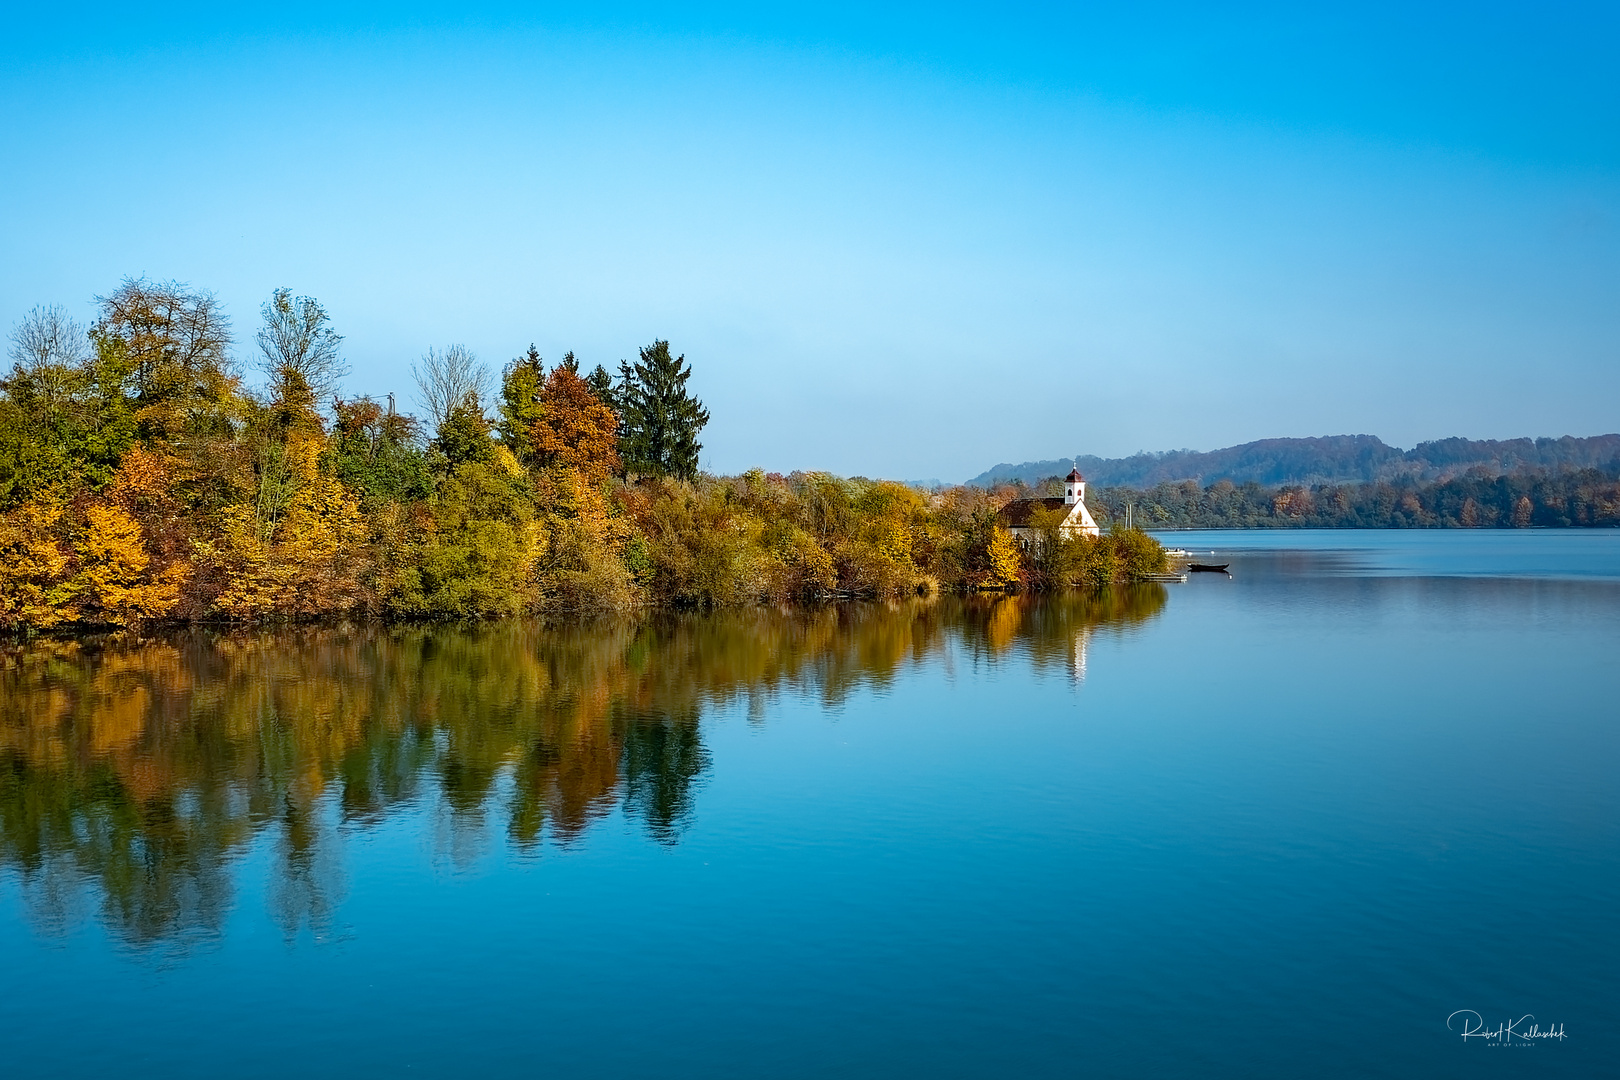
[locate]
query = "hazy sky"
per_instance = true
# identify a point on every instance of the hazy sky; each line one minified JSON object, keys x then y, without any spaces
{"x":909,"y":245}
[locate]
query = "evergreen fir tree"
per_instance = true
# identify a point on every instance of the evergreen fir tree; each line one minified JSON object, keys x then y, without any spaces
{"x":659,"y":420}
{"x":601,"y":384}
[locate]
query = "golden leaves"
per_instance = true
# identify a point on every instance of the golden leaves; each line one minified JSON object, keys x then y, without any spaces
{"x":1002,"y":557}
{"x":307,"y":563}
{"x":108,"y":578}
{"x":112,"y":584}
{"x":31,"y":567}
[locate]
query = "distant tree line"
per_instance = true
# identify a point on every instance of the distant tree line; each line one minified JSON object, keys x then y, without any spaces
{"x":1558,"y":499}
{"x":143,"y":479}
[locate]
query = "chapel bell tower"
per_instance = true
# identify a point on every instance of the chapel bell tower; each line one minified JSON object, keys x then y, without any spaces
{"x":1074,"y":488}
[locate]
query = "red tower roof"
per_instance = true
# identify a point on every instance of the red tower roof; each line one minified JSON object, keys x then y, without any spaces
{"x":1074,"y":477}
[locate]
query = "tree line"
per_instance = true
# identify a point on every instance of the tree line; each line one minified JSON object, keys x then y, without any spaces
{"x":1568,"y":498}
{"x":143,"y":478}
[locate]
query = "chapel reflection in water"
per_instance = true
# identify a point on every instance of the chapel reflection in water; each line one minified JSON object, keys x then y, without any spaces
{"x":137,"y":773}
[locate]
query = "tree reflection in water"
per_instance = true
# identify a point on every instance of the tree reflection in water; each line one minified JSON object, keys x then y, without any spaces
{"x":139,"y":771}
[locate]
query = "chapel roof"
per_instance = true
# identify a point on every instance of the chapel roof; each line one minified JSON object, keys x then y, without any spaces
{"x":1074,"y":476}
{"x":1016,"y":514}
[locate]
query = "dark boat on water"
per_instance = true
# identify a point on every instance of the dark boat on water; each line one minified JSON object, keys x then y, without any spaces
{"x":1207,"y":568}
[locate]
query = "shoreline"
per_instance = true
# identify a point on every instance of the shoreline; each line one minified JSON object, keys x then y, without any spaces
{"x":83,"y":630}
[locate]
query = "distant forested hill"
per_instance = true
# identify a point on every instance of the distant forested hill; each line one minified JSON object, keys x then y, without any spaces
{"x":1333,"y":459}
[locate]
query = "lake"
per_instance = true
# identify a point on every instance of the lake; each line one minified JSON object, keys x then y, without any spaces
{"x":1277,"y":824}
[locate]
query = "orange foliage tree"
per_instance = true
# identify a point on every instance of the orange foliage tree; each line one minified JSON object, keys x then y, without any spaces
{"x":575,"y":430}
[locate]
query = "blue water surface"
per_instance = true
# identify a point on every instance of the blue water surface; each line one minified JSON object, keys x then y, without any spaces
{"x":1282,"y":823}
{"x":1489,"y":553}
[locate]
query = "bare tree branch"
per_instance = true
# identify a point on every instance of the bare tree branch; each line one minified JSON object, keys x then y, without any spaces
{"x":446,"y":378}
{"x":296,"y":339}
{"x":168,"y":327}
{"x":47,"y":349}
{"x":47,"y":337}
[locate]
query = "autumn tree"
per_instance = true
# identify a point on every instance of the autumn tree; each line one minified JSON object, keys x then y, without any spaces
{"x":522,"y":384}
{"x":65,"y":411}
{"x":574,"y":430}
{"x":32,"y":568}
{"x":143,"y":488}
{"x":293,"y":498}
{"x":115,"y":583}
{"x":661,"y":421}
{"x":1001,"y":558}
{"x":177,"y":343}
{"x":299,"y":350}
{"x":586,"y":540}
{"x":303,"y":556}
{"x":377,"y":452}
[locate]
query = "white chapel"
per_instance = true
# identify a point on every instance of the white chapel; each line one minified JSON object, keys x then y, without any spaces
{"x":1016,"y":514}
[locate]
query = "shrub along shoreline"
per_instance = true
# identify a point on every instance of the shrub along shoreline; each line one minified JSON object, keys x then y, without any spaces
{"x":142,"y":481}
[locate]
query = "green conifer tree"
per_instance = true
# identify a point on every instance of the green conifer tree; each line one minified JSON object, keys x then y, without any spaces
{"x":601,"y":384}
{"x":659,"y":420}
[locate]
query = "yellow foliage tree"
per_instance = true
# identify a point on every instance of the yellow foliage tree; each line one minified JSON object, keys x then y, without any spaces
{"x":144,"y":487}
{"x":587,"y":536}
{"x":802,"y":568}
{"x":307,"y":560}
{"x":31,"y":567}
{"x":1002,"y":557}
{"x":113,"y":583}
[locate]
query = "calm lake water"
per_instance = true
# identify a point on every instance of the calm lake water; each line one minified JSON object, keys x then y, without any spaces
{"x":1277,"y":824}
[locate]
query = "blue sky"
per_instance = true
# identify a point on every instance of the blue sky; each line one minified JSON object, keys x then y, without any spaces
{"x":908,"y":244}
